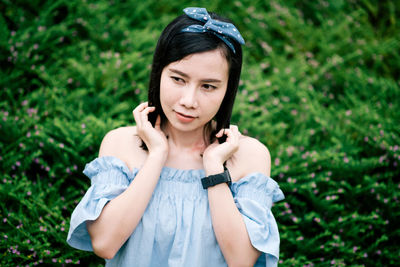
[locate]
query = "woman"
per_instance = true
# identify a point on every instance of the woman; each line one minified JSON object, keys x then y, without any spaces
{"x":183,"y":187}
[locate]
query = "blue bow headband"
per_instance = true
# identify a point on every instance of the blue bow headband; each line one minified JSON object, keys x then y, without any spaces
{"x":216,"y":27}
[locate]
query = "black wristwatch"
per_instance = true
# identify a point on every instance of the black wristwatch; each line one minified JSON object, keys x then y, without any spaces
{"x":215,"y":179}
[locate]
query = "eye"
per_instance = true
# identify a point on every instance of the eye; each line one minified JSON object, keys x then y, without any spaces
{"x":177,"y":79}
{"x":209,"y":87}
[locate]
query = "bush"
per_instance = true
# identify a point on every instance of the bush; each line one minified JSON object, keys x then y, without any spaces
{"x":320,"y":88}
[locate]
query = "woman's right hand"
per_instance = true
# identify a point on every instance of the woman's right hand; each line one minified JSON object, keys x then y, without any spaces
{"x":153,"y":137}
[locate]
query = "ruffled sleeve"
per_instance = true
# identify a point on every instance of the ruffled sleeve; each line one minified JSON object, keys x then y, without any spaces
{"x":254,"y":195}
{"x":109,"y":178}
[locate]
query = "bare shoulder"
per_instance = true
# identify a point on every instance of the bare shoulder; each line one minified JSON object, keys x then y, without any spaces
{"x":123,"y":143}
{"x":252,"y":156}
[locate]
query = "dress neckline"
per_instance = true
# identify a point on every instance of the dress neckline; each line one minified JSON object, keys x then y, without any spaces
{"x":171,"y":171}
{"x":167,"y":168}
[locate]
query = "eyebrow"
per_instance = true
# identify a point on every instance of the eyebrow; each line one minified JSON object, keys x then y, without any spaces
{"x":187,"y":76}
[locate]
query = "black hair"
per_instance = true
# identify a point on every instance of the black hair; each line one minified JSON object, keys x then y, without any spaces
{"x":174,"y":45}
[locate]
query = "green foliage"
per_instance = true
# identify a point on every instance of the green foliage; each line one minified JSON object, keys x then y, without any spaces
{"x":320,"y":88}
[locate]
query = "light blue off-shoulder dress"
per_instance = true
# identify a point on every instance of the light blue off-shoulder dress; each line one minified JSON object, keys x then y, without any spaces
{"x":176,"y":228}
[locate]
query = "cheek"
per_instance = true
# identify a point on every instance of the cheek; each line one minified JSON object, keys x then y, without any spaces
{"x":215,"y":103}
{"x":167,"y":95}
{"x":163,"y":89}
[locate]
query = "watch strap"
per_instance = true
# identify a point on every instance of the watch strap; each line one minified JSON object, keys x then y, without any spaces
{"x":215,"y":179}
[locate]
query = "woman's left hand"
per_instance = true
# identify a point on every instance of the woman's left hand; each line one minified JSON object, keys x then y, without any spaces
{"x":216,"y":154}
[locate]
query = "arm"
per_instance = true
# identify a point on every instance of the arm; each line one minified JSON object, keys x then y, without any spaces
{"x":228,"y":224}
{"x":121,"y":215}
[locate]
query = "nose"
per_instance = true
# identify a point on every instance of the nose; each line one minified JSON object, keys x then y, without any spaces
{"x":189,"y":97}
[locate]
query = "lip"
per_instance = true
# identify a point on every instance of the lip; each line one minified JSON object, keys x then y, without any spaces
{"x":184,"y":118}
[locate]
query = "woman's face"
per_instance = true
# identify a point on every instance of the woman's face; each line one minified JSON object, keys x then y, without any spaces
{"x":192,"y":89}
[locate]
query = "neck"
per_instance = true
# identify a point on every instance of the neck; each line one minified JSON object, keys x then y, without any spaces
{"x":192,"y":141}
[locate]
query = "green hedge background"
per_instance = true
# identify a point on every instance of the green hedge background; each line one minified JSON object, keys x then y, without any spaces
{"x":320,"y":87}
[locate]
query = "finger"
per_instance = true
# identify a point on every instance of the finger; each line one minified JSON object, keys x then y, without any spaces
{"x":226,"y":132}
{"x":141,"y":106}
{"x":220,"y":133}
{"x":232,"y":134}
{"x":144,"y":118}
{"x":144,"y":114}
{"x":235,"y":131}
{"x":233,"y":127}
{"x":229,"y":135}
{"x":147,"y":110}
{"x":136,"y":116}
{"x":158,"y":122}
{"x":136,"y":113}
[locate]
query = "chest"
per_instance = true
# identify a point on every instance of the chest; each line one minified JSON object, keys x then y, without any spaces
{"x":195,"y":162}
{"x":184,"y":160}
